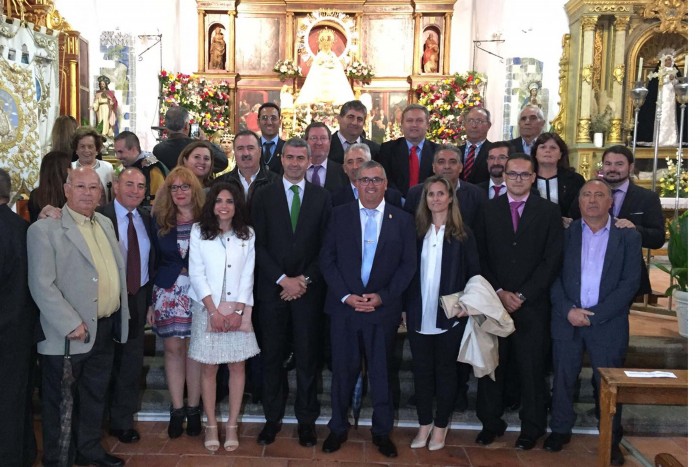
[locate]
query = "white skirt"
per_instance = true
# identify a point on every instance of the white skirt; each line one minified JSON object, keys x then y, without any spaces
{"x":218,"y":347}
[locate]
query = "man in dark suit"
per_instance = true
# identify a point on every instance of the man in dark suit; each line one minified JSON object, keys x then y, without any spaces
{"x":530,"y":125}
{"x":290,"y":217}
{"x":17,"y":324}
{"x":520,"y":239}
{"x":131,"y":226}
{"x":322,"y":171}
{"x":633,"y":206}
{"x":351,"y":123}
{"x":477,"y":122}
{"x":498,"y":154}
{"x":590,"y":307}
{"x":127,"y":148}
{"x":77,"y":278}
{"x":409,"y":160}
{"x":448,"y":163}
{"x":355,"y":156}
{"x":269,"y":121}
{"x":368,"y":259}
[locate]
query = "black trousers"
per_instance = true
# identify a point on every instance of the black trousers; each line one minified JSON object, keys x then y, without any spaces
{"x":435,"y":373}
{"x":304,"y":317}
{"x":91,"y":371}
{"x":128,"y":366}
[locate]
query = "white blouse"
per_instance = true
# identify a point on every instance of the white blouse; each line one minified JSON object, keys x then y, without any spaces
{"x":431,"y":267}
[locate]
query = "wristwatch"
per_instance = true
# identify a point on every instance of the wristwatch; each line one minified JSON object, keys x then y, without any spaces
{"x":238,"y":312}
{"x":520,"y":296}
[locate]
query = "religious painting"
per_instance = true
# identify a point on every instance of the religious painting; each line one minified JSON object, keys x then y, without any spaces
{"x":217,"y":48}
{"x":523,"y":87}
{"x":430,"y":57}
{"x":385,"y":115}
{"x":385,"y":45}
{"x":249,"y":102}
{"x":259,"y":44}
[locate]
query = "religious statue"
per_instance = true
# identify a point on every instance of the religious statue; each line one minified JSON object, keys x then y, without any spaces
{"x":217,"y":50}
{"x":105,"y":108}
{"x":326,"y":81}
{"x":532,"y":99}
{"x":431,"y":54}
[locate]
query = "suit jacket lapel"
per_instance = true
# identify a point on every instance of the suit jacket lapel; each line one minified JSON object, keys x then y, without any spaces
{"x":611,"y":251}
{"x":74,"y":235}
{"x":529,"y":215}
{"x":575,"y":251}
{"x":284,"y":208}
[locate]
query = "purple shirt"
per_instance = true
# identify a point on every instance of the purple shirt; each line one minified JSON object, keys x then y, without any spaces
{"x":619,"y":194}
{"x":593,"y":247}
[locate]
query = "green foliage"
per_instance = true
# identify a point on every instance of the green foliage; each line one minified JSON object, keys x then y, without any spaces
{"x":678,"y":254}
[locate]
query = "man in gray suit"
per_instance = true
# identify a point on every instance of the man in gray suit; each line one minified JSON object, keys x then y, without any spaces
{"x":77,"y":278}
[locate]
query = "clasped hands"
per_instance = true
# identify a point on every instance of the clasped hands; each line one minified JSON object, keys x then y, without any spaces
{"x":292,"y":288}
{"x":511,"y":302}
{"x":364,"y":303}
{"x":578,"y":317}
{"x":220,"y":323}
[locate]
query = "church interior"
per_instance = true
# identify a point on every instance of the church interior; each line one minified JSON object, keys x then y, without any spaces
{"x":603,"y":72}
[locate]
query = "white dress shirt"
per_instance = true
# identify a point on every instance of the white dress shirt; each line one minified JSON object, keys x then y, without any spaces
{"x":430,"y":272}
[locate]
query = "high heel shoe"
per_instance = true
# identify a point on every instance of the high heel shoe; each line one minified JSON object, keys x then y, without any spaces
{"x":437,"y":445}
{"x":231,"y":443}
{"x":420,"y":442}
{"x":211,"y":438}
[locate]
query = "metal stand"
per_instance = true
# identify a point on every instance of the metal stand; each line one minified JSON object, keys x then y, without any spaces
{"x":639,"y":95}
{"x":681,"y":89}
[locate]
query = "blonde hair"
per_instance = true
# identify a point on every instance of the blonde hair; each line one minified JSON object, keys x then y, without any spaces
{"x":454,"y":226}
{"x":165,"y":210}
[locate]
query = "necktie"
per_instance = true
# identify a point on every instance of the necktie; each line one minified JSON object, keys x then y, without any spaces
{"x":369,"y":244}
{"x":612,"y":206}
{"x":413,"y":166}
{"x":315,"y":178}
{"x":296,"y":206}
{"x":468,"y":162}
{"x":514,"y":214}
{"x":133,"y":258}
{"x":497,"y":190}
{"x":354,"y":192}
{"x":268,"y":152}
{"x":349,"y":143}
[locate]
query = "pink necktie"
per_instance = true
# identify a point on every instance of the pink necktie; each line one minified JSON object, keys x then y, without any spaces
{"x":515,"y":214}
{"x":497,"y":190}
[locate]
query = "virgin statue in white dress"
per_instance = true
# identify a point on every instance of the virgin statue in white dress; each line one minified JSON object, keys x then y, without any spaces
{"x":668,"y":128}
{"x":326,"y":81}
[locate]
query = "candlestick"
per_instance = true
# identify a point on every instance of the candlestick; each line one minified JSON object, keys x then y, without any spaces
{"x":639,"y":69}
{"x":685,"y":67}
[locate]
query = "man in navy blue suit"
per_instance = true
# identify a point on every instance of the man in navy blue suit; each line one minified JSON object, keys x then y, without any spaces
{"x":590,"y":303}
{"x":368,"y":259}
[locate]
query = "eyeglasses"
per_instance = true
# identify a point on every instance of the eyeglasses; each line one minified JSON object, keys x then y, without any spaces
{"x":82,"y":187}
{"x":184,"y":187}
{"x":478,"y":121}
{"x":269,"y":118}
{"x":518,"y":175}
{"x":314,"y":139}
{"x":364,"y":181}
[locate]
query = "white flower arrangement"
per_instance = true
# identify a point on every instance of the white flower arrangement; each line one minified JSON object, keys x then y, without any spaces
{"x":287,"y":69}
{"x":360,"y":71}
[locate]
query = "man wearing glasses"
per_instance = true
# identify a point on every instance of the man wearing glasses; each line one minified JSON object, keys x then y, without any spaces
{"x":530,"y":125}
{"x":322,"y":171}
{"x":351,"y":122}
{"x":476,"y":123}
{"x":269,"y":122}
{"x":520,"y":239}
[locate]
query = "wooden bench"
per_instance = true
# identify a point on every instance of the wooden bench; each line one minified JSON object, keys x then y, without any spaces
{"x":617,"y":388}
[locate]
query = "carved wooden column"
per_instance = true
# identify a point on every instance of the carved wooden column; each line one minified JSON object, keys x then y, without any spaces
{"x":69,"y":80}
{"x":202,"y":41}
{"x":588,"y":28}
{"x":620,"y":28}
{"x":290,"y":43}
{"x":447,"y":45}
{"x":231,"y":42}
{"x":416,"y":42}
{"x":358,"y":28}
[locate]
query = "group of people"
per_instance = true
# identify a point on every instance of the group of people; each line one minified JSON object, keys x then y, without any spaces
{"x":320,"y":244}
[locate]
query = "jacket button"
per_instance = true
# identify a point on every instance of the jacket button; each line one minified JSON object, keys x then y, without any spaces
{"x":94,"y":319}
{"x":228,"y":293}
{"x":229,"y":265}
{"x":94,"y":279}
{"x":94,"y":299}
{"x":515,"y":243}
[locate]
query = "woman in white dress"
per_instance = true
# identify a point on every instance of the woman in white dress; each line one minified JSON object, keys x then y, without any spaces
{"x":222,"y":262}
{"x":87,"y":144}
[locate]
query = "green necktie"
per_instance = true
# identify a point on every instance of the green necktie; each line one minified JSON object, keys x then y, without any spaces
{"x":296,"y":206}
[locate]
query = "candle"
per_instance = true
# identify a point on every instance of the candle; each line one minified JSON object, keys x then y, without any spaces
{"x":639,"y":69}
{"x":685,"y":67}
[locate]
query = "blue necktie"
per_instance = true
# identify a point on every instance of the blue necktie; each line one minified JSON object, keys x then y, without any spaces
{"x":369,"y":245}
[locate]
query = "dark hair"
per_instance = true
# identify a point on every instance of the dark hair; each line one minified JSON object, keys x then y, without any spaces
{"x":502,"y":144}
{"x":5,"y":185}
{"x":454,"y":226}
{"x":620,"y":149}
{"x":451,"y":148}
{"x":209,"y":224}
{"x":268,"y":105}
{"x":185,"y":155}
{"x":316,"y":125}
{"x":84,"y":131}
{"x":130,"y":139}
{"x":297,"y":143}
{"x":521,"y":156}
{"x":353,"y":105}
{"x":52,"y":175}
{"x":176,"y":118}
{"x":563,"y":162}
{"x":415,"y":107}
{"x":62,"y":134}
{"x":483,"y":109}
{"x":246,"y":133}
{"x":371,"y":164}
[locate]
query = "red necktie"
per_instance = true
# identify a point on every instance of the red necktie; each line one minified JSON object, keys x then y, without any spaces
{"x":468,"y":162}
{"x":497,"y":190}
{"x":413,"y":166}
{"x":133,"y":258}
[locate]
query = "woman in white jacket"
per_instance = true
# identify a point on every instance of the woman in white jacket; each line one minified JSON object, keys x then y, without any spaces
{"x":222,"y":261}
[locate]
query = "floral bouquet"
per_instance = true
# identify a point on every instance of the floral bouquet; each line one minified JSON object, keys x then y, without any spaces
{"x":287,"y":69}
{"x":446,"y":100}
{"x":360,"y":71}
{"x":667,"y":183}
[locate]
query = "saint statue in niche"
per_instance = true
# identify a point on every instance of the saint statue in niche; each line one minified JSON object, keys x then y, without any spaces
{"x":326,"y":81}
{"x":217,"y":50}
{"x":431,"y":54}
{"x":105,"y":107}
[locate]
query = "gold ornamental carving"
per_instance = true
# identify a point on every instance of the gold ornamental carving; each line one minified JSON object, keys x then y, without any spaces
{"x":621,"y":22}
{"x":584,"y":130}
{"x":615,"y":133}
{"x":619,"y":73}
{"x":597,"y":57}
{"x":671,"y":14}
{"x":559,"y":121}
{"x":588,"y":23}
{"x":584,"y":165}
{"x":587,"y":74}
{"x":609,"y":9}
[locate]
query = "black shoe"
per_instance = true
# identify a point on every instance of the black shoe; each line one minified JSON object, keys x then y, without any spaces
{"x":194,"y":421}
{"x":385,"y":445}
{"x":486,"y":437}
{"x":556,"y":441}
{"x":333,"y":442}
{"x":106,"y":460}
{"x":307,"y":434}
{"x":125,"y":436}
{"x":269,"y":433}
{"x":525,"y":442}
{"x":616,"y":456}
{"x":177,"y":419}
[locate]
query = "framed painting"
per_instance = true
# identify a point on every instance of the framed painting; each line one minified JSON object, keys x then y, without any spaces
{"x":248,"y":102}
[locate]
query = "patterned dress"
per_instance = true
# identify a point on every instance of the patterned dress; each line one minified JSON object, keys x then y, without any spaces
{"x":173,"y":313}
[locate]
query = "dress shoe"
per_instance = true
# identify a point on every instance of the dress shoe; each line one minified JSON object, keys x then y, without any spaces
{"x":556,"y":441}
{"x":525,"y":442}
{"x":269,"y":433}
{"x":106,"y":460}
{"x":385,"y":445}
{"x":125,"y":436}
{"x":231,"y":443}
{"x":486,"y":437}
{"x":435,"y":444}
{"x":616,"y":456}
{"x":420,"y":441}
{"x":211,"y":438}
{"x":333,"y":442}
{"x":307,"y":434}
{"x":177,"y":419}
{"x":194,"y":421}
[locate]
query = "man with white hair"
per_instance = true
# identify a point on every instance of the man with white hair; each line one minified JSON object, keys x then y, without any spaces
{"x":530,"y":125}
